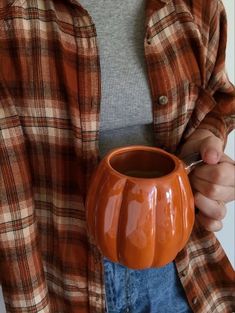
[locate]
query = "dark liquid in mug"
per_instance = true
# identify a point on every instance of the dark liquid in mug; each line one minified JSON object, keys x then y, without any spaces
{"x":142,"y":164}
{"x":144,"y":173}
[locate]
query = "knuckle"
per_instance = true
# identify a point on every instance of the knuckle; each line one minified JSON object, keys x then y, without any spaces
{"x":217,"y":175}
{"x":212,"y":191}
{"x":197,"y":198}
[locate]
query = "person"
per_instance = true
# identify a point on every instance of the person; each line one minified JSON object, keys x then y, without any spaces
{"x":57,"y":58}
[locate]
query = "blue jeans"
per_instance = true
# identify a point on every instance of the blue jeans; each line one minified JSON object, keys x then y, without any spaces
{"x":144,"y":291}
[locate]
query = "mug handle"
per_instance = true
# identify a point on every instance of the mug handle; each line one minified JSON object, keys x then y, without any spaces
{"x":191,"y":161}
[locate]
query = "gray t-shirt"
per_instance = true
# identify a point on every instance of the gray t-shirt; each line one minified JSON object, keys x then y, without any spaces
{"x":126,"y":110}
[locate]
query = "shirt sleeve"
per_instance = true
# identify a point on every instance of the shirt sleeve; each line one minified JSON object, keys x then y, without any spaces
{"x":221,"y":120}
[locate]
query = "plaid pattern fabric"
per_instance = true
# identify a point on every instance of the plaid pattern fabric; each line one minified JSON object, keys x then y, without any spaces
{"x":49,"y":126}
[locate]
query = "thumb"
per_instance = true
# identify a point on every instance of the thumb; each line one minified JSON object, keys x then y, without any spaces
{"x":211,"y":149}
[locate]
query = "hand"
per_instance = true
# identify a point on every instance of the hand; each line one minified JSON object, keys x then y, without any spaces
{"x":213,"y":183}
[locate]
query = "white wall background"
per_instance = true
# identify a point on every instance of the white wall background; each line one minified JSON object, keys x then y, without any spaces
{"x":227,"y":234}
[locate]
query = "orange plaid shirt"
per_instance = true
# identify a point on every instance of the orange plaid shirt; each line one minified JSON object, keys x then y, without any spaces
{"x":49,"y":131}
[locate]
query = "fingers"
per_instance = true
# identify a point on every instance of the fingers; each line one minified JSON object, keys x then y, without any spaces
{"x":215,"y":210}
{"x":211,"y":212}
{"x":211,"y":190}
{"x":216,"y":181}
{"x":221,"y":174}
{"x":209,"y":224}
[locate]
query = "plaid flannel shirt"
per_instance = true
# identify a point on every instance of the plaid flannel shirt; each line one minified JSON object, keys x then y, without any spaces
{"x":49,"y":132}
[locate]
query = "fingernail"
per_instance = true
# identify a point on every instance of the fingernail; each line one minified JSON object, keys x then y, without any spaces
{"x":212,"y":155}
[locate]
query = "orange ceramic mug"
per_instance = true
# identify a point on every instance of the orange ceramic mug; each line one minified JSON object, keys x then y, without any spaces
{"x":140,"y":206}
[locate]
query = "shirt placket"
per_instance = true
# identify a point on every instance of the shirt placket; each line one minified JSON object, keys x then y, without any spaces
{"x":158,"y":88}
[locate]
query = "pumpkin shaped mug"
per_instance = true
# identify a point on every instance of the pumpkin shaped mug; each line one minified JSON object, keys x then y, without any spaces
{"x":140,"y":206}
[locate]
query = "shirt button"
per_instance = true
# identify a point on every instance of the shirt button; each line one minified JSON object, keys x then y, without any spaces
{"x":194,"y":301}
{"x":163,"y":100}
{"x":127,"y":310}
